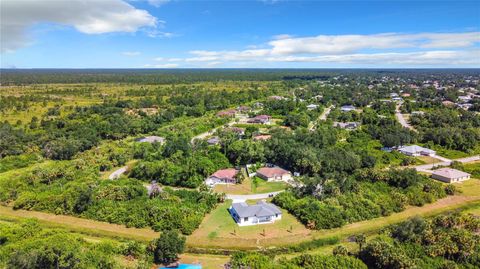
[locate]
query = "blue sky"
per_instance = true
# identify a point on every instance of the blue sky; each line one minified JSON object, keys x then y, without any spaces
{"x":185,"y":34}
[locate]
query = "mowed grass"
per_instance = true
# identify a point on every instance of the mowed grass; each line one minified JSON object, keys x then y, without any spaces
{"x":246,"y":187}
{"x":206,"y":260}
{"x":219,"y":229}
{"x":79,"y":225}
{"x":427,"y":160}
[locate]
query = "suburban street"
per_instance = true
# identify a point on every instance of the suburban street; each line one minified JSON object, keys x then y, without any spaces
{"x":427,"y":168}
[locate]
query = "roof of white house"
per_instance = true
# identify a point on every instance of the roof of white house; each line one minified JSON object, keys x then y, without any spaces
{"x":450,"y":173}
{"x":151,"y":139}
{"x":261,"y":209}
{"x":416,"y":149}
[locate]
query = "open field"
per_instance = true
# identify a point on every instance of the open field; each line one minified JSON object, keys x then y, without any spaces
{"x":246,"y":187}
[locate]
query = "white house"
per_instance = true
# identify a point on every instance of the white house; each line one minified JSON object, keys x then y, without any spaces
{"x":312,"y":106}
{"x":151,"y":139}
{"x":415,"y":150}
{"x":450,"y":175}
{"x":347,"y":108}
{"x":261,"y":213}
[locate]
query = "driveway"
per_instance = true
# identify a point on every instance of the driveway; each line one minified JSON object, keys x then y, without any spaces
{"x":241,"y":198}
{"x":117,"y":173}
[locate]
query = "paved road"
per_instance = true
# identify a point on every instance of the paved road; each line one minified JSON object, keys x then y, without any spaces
{"x":211,"y":132}
{"x":238,"y":198}
{"x":325,"y":113}
{"x":322,"y":117}
{"x":427,"y":168}
{"x":401,"y":119}
{"x":117,"y":173}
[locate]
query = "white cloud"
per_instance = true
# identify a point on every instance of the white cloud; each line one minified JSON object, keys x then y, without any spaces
{"x":386,"y":49}
{"x":87,"y":16}
{"x":161,"y":66}
{"x":157,"y":3}
{"x":342,"y":44}
{"x":131,"y":53}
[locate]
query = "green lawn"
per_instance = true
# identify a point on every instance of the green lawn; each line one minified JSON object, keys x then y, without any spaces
{"x":219,"y":226}
{"x":247,"y":187}
{"x":472,"y":168}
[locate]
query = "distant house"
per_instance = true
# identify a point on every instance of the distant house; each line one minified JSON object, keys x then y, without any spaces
{"x":223,"y":176}
{"x":237,"y":130}
{"x":261,"y":137}
{"x":151,"y":139}
{"x":312,"y":107}
{"x":260,"y":213}
{"x":415,"y":150}
{"x":450,"y":175}
{"x":243,"y":109}
{"x":418,"y":113}
{"x":448,"y":103}
{"x":213,"y":141}
{"x":393,"y":94}
{"x":397,"y":99}
{"x":347,"y":108}
{"x":261,"y":119}
{"x":274,"y":174}
{"x":347,"y":125}
{"x":227,"y":113}
{"x":464,"y":99}
{"x":277,"y":98}
{"x":406,"y":94}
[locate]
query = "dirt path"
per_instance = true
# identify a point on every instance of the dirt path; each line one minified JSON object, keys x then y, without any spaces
{"x":80,"y":225}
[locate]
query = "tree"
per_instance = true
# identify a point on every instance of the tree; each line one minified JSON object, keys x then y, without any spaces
{"x":360,"y":240}
{"x":168,"y":246}
{"x":340,"y":251}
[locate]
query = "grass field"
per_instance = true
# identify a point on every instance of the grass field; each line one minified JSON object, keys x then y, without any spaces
{"x":246,"y":187}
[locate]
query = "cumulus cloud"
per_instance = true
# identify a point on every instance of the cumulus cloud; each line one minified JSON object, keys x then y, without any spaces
{"x":87,"y":16}
{"x":131,"y":53}
{"x":385,"y":49}
{"x":343,"y":44}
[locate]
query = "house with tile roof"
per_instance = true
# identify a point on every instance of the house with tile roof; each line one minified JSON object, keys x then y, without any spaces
{"x":274,"y":174}
{"x":260,"y":213}
{"x":223,"y":176}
